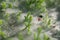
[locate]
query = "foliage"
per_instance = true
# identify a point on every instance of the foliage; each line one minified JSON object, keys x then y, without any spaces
{"x":10,"y":5}
{"x":2,"y":34}
{"x":1,"y":22}
{"x":20,"y":36}
{"x":46,"y":37}
{"x":27,"y":21}
{"x":14,"y":18}
{"x":32,"y":5}
{"x":39,"y":32}
{"x":50,"y":3}
{"x":18,"y":16}
{"x":3,"y":4}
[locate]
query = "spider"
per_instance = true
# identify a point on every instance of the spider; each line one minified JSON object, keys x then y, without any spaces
{"x":40,"y":17}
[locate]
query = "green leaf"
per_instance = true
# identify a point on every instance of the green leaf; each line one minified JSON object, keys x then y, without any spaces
{"x":26,"y":23}
{"x":30,"y":18}
{"x":3,"y":5}
{"x":18,"y":16}
{"x":35,"y":36}
{"x":41,"y":1}
{"x":19,"y":13}
{"x":10,"y":5}
{"x":20,"y":36}
{"x":46,"y":37}
{"x":29,"y":13}
{"x":7,"y":16}
{"x":1,"y":22}
{"x":39,"y":30}
{"x":38,"y":33}
{"x":2,"y":34}
{"x":49,"y":22}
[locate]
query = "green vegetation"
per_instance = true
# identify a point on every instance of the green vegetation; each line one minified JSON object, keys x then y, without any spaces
{"x":20,"y":36}
{"x":12,"y":20}
{"x":27,"y":21}
{"x":39,"y":32}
